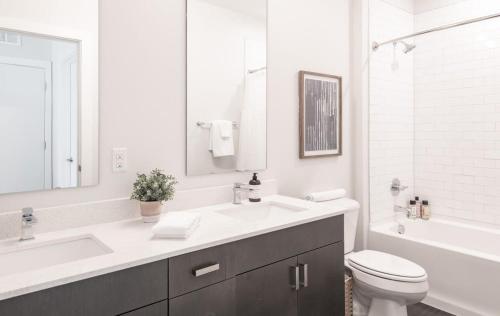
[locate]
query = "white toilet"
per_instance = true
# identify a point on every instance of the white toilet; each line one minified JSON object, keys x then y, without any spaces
{"x":384,"y":284}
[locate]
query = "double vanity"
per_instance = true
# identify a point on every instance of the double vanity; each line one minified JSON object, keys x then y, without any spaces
{"x":282,"y":256}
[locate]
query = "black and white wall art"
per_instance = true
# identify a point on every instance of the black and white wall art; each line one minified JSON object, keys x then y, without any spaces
{"x":320,"y":115}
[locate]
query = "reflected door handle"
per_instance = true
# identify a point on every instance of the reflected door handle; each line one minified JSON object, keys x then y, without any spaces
{"x":70,"y":159}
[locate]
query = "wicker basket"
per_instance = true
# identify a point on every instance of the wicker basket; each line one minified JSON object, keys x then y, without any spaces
{"x":348,"y":294}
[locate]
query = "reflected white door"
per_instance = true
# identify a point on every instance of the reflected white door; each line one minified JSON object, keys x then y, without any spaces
{"x":25,"y":127}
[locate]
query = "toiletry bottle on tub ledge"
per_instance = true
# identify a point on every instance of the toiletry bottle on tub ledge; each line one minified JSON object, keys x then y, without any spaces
{"x":254,"y":194}
{"x":413,"y":209}
{"x":426,"y":210}
{"x":419,"y":207}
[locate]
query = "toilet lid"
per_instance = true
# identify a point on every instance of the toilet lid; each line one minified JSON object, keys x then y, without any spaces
{"x":387,"y":266}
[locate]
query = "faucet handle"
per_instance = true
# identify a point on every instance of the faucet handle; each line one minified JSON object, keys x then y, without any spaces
{"x":27,"y":211}
{"x":397,"y":187}
{"x":28,"y":215}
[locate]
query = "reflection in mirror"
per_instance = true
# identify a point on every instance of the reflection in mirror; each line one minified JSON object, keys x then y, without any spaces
{"x":48,"y":95}
{"x":226,"y":85}
{"x":38,"y":112}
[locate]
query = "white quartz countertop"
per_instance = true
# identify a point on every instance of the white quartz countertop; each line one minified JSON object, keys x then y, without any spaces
{"x":132,"y":242}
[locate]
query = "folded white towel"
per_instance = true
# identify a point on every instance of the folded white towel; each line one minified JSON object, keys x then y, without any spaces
{"x":226,"y":128}
{"x":221,"y":142}
{"x":326,"y":195}
{"x":177,"y":225}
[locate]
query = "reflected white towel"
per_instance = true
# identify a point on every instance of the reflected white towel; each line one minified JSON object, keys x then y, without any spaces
{"x":326,"y":195}
{"x":221,"y":138}
{"x":177,"y":225}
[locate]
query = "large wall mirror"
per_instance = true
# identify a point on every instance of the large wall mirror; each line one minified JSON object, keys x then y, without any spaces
{"x":48,"y":94}
{"x":226,"y":85}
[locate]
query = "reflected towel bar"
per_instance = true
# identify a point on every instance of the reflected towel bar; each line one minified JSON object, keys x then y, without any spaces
{"x":252,"y":71}
{"x":208,"y":125}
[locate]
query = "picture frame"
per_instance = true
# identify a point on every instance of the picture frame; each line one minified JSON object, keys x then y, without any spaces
{"x":320,"y":115}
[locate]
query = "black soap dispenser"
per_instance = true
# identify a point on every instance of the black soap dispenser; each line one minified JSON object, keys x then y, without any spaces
{"x":254,"y":194}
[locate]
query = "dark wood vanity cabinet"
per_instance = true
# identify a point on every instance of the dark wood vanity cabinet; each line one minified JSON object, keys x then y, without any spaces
{"x":110,"y":294}
{"x":294,"y":271}
{"x":298,"y":271}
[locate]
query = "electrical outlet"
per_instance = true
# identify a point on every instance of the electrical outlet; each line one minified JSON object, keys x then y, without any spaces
{"x":120,"y":159}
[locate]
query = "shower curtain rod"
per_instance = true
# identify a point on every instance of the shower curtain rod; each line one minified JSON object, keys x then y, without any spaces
{"x":376,"y":45}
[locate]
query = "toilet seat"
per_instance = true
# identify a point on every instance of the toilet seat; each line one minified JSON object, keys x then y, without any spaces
{"x":387,"y":266}
{"x":387,"y":285}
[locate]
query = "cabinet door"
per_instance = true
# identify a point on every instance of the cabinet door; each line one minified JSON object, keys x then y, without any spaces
{"x":322,"y":278}
{"x":213,"y":300}
{"x":268,"y":290}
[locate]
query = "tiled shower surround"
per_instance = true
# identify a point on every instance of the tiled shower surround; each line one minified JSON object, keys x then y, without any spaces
{"x":391,"y":109}
{"x":453,"y":108}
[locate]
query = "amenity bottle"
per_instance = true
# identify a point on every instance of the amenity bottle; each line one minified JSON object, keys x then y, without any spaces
{"x":413,"y":209}
{"x":426,"y":210}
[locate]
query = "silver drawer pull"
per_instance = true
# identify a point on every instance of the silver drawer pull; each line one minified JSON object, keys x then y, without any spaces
{"x":305,"y":275}
{"x":206,"y":270}
{"x":295,"y":278}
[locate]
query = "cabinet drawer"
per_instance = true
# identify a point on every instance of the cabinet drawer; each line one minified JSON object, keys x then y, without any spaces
{"x":252,"y":253}
{"x":198,"y":269}
{"x":214,"y":300}
{"x":157,"y":309}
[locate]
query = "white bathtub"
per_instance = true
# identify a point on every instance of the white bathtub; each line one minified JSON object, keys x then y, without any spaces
{"x":462,"y":261}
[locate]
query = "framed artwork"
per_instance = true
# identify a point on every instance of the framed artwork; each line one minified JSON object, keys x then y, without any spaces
{"x":320,"y":115}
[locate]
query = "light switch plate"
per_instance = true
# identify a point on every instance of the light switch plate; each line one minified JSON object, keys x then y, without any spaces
{"x":120,"y":161}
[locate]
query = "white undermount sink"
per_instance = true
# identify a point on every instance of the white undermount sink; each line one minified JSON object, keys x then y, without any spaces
{"x":34,"y":256}
{"x":261,"y":211}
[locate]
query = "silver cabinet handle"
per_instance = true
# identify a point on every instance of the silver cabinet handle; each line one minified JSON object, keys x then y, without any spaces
{"x":206,"y":270}
{"x":305,"y":275}
{"x":296,"y":278}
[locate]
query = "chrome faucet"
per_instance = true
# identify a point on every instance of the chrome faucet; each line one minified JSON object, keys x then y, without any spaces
{"x":28,"y":219}
{"x":237,"y":189}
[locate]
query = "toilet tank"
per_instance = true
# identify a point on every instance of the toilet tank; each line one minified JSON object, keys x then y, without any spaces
{"x":350,"y":225}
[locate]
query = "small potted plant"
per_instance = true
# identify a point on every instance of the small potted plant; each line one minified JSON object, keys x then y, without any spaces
{"x":151,"y":191}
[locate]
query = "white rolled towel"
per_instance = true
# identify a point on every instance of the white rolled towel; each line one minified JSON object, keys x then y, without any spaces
{"x":177,"y":225}
{"x":326,"y":195}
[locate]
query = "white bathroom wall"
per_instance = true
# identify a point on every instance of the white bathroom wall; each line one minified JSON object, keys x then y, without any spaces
{"x":421,"y":6}
{"x":391,"y":109}
{"x":406,"y":5}
{"x":143,"y":98}
{"x":457,"y":112}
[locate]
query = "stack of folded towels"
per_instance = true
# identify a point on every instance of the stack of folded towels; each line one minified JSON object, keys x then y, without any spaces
{"x":179,"y":225}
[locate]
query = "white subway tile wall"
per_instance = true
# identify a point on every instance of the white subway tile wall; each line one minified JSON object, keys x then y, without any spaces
{"x":435,"y":112}
{"x":457,"y":112}
{"x":391,"y":109}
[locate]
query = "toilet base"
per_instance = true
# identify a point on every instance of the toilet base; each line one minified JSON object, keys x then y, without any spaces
{"x":382,"y":307}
